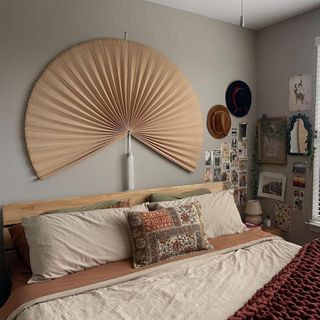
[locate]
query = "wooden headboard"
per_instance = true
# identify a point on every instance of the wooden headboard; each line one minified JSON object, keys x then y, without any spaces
{"x":13,"y":213}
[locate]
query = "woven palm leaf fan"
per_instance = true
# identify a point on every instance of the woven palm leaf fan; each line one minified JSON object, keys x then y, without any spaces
{"x":95,"y":93}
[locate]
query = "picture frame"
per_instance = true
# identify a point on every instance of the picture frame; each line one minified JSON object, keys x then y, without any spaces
{"x":272,"y":146}
{"x":272,"y":185}
{"x":300,"y":94}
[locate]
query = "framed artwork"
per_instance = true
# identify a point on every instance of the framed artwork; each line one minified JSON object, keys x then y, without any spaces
{"x":300,"y":92}
{"x":272,"y":145}
{"x":272,"y":185}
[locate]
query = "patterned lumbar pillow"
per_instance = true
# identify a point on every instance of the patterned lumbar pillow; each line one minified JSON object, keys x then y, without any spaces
{"x":166,"y":233}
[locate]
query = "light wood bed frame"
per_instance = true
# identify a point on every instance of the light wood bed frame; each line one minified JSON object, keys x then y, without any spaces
{"x":13,"y":213}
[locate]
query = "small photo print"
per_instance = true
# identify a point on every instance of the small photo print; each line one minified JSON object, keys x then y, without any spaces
{"x":234,"y":161}
{"x":208,"y":176}
{"x":299,"y":182}
{"x":299,"y":167}
{"x":243,"y":130}
{"x":208,"y":157}
{"x":226,"y":166}
{"x":225,"y":152}
{"x":225,"y":176}
{"x":242,"y":165}
{"x":242,"y":197}
{"x":236,"y":195}
{"x":242,"y":150}
{"x":234,"y":177}
{"x":234,"y":139}
{"x":217,"y":157}
{"x":216,"y":174}
{"x":243,"y":179}
{"x":298,"y":200}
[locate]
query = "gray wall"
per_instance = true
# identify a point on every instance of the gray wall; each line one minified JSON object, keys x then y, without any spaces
{"x":284,"y":50}
{"x":32,"y":32}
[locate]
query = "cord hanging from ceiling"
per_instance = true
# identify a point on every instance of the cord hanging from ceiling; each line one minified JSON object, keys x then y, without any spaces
{"x":242,"y":24}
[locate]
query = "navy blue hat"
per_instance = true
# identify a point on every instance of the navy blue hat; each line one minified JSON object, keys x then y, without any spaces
{"x":238,"y":98}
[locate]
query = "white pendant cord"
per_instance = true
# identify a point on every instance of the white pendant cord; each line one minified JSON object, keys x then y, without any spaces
{"x":130,"y":164}
{"x":242,"y":24}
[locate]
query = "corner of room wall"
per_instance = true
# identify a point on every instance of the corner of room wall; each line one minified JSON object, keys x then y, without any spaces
{"x":284,"y":50}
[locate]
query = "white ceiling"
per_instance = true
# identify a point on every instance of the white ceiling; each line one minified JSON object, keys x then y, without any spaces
{"x":258,"y":13}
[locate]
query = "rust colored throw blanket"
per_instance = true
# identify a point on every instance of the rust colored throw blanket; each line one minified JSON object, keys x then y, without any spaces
{"x":294,"y":293}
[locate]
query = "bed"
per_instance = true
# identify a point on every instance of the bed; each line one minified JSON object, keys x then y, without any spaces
{"x":243,"y":275}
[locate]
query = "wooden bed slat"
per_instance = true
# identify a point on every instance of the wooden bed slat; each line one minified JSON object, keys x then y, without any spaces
{"x":13,"y":213}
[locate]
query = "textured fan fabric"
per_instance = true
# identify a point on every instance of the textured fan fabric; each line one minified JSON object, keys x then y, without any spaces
{"x":94,"y":93}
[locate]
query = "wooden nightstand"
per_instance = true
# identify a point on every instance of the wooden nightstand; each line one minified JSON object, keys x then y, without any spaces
{"x":273,"y":230}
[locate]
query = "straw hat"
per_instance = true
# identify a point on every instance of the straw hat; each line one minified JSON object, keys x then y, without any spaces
{"x":218,"y":121}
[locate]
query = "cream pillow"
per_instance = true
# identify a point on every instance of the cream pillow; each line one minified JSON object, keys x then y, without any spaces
{"x":63,"y":243}
{"x":220,"y":214}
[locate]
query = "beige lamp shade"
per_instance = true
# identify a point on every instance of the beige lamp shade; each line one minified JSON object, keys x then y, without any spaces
{"x":94,"y":93}
{"x":253,"y":208}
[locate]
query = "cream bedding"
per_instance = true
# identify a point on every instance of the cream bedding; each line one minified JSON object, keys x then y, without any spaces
{"x":210,"y":286}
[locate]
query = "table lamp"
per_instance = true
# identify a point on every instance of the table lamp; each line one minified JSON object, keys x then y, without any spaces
{"x":253,"y":212}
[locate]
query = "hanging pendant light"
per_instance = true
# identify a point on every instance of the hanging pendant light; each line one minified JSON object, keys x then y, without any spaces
{"x":242,"y":16}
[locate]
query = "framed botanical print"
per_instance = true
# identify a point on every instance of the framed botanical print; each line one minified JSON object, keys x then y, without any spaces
{"x":272,"y":145}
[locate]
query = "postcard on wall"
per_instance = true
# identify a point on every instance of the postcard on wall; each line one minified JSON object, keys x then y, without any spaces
{"x":225,"y":176}
{"x":225,"y":152}
{"x":300,"y":92}
{"x":234,"y":161}
{"x":236,"y":195}
{"x":208,"y":176}
{"x":234,"y":177}
{"x":242,"y":179}
{"x":282,"y":215}
{"x":217,"y":174}
{"x":299,"y":167}
{"x":217,"y":157}
{"x":242,"y":197}
{"x":243,"y":131}
{"x":298,"y":200}
{"x":299,"y":182}
{"x":234,"y":139}
{"x":243,"y":165}
{"x":208,"y":157}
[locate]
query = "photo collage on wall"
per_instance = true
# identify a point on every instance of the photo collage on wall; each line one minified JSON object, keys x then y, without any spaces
{"x":298,"y":181}
{"x":228,"y":163}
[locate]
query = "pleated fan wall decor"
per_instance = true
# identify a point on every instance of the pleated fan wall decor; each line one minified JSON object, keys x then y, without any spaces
{"x":94,"y":93}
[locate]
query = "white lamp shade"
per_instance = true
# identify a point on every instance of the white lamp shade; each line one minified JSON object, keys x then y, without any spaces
{"x":253,"y":208}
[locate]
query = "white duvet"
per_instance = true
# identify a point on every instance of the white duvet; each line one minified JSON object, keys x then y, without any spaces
{"x":210,"y":286}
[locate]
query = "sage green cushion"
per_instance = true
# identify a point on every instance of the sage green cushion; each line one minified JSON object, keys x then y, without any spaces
{"x":158,"y":197}
{"x":94,"y":206}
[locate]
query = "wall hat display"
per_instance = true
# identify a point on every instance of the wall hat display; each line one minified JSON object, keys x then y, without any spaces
{"x":96,"y":92}
{"x":238,"y":98}
{"x":218,"y":121}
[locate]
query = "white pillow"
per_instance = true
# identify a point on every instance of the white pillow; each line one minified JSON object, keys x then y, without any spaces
{"x":63,"y":243}
{"x":220,"y":214}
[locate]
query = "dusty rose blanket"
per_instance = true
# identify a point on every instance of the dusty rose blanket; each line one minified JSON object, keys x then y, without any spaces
{"x":294,"y":293}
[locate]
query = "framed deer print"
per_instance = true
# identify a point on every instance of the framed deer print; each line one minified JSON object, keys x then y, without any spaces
{"x":300,"y":92}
